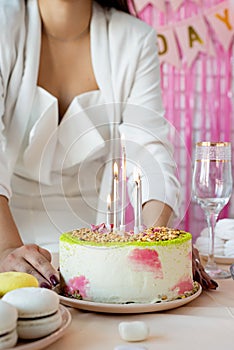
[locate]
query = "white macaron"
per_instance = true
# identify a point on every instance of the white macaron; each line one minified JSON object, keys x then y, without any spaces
{"x":38,"y":311}
{"x":8,"y":323}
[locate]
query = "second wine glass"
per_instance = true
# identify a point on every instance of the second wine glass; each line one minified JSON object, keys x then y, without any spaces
{"x":212,"y":188}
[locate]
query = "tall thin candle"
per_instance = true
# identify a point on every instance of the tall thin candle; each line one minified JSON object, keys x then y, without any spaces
{"x":140,"y":223}
{"x":136,"y":201}
{"x":115,"y":196}
{"x":124,"y":179}
{"x":108,"y":214}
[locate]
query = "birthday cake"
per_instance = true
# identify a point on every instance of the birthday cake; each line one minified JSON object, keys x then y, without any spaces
{"x":109,"y":267}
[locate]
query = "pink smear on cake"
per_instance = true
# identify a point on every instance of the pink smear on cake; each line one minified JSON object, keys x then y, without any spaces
{"x":190,"y":256}
{"x":147,"y":260}
{"x":184,"y":285}
{"x":78,"y":285}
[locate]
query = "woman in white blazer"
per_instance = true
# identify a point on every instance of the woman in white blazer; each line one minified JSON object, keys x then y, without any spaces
{"x":74,"y":77}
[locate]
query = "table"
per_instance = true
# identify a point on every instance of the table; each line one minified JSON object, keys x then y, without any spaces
{"x":206,"y":323}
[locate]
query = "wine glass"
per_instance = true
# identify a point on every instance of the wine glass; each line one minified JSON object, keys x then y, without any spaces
{"x":212,"y":188}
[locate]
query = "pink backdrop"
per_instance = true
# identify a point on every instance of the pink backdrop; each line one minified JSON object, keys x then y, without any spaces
{"x":198,"y":96}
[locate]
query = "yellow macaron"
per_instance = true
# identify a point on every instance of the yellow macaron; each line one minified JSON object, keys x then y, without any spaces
{"x":14,"y":280}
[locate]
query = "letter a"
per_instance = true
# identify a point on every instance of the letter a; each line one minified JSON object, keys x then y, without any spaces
{"x":193,"y":36}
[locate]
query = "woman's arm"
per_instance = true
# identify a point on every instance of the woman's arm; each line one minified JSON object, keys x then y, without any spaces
{"x":156,"y":213}
{"x":9,"y":235}
{"x":15,"y":256}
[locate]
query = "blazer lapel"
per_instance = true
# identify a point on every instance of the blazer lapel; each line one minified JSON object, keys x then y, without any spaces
{"x":100,"y":52}
{"x":26,"y":92}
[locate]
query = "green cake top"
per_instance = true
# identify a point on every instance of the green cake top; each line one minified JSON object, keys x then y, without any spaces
{"x":149,"y":236}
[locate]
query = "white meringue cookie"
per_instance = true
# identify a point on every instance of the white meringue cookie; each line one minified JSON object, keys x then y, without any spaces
{"x":229,"y":244}
{"x":133,"y":331}
{"x":229,"y":248}
{"x":204,"y":232}
{"x":224,"y":239}
{"x":225,"y":229}
{"x":202,"y":244}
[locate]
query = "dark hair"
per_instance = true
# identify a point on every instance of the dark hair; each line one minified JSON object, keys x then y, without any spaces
{"x":122,"y":5}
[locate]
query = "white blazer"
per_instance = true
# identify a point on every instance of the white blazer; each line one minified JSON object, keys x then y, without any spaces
{"x":126,"y":67}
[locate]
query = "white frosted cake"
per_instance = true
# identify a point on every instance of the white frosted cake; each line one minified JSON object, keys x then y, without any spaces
{"x":108,"y":267}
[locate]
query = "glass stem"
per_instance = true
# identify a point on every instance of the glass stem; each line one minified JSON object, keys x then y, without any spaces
{"x":211,"y":218}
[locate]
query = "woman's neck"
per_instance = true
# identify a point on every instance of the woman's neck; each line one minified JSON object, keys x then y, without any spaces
{"x":65,"y":19}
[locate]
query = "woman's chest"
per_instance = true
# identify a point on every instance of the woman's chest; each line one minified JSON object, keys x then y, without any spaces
{"x":66,"y":70}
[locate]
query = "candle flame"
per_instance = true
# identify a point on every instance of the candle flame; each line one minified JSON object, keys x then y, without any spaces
{"x":139,"y":170}
{"x":137,"y":174}
{"x":109,"y":201}
{"x":115,"y":170}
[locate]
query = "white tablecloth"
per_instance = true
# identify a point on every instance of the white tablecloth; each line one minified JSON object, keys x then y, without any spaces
{"x":206,"y":323}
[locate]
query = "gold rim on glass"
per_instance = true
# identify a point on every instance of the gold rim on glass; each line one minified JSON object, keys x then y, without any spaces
{"x":213,"y":160}
{"x":207,"y":151}
{"x":208,"y":143}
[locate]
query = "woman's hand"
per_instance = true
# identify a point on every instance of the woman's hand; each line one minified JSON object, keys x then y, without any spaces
{"x":199,"y":273}
{"x":33,"y":260}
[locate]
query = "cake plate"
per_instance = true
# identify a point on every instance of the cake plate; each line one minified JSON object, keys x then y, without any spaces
{"x":132,"y":308}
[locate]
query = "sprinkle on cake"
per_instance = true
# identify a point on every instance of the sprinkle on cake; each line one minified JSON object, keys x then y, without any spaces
{"x":100,"y":234}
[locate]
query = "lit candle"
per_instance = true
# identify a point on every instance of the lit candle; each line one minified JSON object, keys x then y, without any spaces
{"x":108,"y":214}
{"x":136,"y":201}
{"x":115,"y":197}
{"x":124,"y":178}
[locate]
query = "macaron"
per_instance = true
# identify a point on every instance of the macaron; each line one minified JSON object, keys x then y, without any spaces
{"x":13,"y":280}
{"x":38,"y":311}
{"x":8,"y":324}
